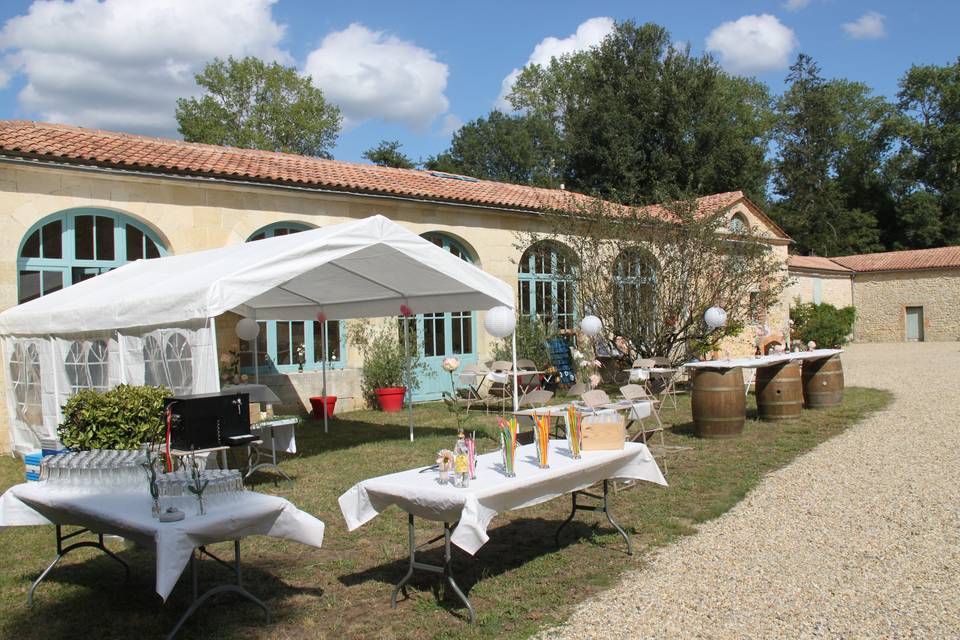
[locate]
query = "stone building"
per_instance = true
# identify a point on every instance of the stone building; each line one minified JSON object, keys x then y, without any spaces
{"x":899,"y":295}
{"x":77,"y":202}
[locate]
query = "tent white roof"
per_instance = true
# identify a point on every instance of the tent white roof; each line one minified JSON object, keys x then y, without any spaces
{"x":366,"y":268}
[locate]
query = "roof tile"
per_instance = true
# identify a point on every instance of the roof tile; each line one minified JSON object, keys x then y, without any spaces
{"x":942,"y":258}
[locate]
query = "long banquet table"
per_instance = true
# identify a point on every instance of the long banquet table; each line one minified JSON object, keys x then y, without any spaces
{"x":174,"y":543}
{"x":466,"y":513}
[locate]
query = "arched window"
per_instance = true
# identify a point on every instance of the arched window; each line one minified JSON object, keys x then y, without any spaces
{"x":546,"y":283}
{"x":25,"y":379}
{"x":87,"y":365}
{"x":635,"y":277}
{"x":168,"y":362}
{"x":278,"y":340}
{"x":75,"y":245}
{"x":738,"y":224}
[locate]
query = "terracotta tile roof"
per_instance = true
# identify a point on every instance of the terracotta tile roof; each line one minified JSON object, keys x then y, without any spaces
{"x":815,"y":262}
{"x":942,"y":258}
{"x":77,"y":145}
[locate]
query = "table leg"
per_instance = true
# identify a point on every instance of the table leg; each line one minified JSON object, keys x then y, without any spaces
{"x":604,"y":508}
{"x":237,"y":588}
{"x":446,"y":569}
{"x":255,"y":463}
{"x":62,"y":551}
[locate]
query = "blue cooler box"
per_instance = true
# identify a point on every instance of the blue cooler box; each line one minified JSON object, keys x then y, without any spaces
{"x":31,"y":462}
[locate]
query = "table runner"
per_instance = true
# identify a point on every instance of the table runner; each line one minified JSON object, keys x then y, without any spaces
{"x":128,"y":515}
{"x":492,"y":492}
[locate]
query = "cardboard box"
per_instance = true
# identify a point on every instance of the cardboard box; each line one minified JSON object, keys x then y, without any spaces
{"x":606,"y":432}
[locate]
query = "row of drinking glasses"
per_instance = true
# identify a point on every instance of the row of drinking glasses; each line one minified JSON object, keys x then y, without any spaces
{"x":221,"y":483}
{"x":95,"y":470}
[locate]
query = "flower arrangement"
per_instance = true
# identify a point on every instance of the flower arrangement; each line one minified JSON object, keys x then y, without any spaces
{"x":301,"y":356}
{"x":445,"y":459}
{"x":589,"y":370}
{"x":151,"y":469}
{"x":197,"y":484}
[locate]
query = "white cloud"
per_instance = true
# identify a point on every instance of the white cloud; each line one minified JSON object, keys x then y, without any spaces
{"x":869,"y":25}
{"x":370,"y":74}
{"x":753,"y":44}
{"x":451,"y":124}
{"x":589,"y":34}
{"x":121,"y":64}
{"x":795,"y":5}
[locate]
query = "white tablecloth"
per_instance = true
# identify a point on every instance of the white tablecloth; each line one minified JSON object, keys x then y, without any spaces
{"x":128,"y":515}
{"x":638,"y":409}
{"x":492,"y":492}
{"x":763,"y":361}
{"x":284,"y":434}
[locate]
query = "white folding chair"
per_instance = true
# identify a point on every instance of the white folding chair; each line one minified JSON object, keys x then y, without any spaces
{"x":635,"y":392}
{"x":500,"y":388}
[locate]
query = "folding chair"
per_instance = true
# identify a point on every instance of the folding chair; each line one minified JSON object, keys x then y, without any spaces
{"x":643,"y":364}
{"x":578,"y":389}
{"x":472,"y":377}
{"x":595,"y":398}
{"x":527,"y":382}
{"x":666,"y":380}
{"x":501,"y":388}
{"x":634,"y":392}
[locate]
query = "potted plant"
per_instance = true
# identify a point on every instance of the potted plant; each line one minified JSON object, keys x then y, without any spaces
{"x":383,"y":374}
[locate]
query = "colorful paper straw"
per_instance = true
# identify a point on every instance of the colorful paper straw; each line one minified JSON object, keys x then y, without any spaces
{"x":508,"y":444}
{"x":472,"y":457}
{"x":541,"y":436}
{"x":574,"y":431}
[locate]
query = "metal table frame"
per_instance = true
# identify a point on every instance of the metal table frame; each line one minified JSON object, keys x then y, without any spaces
{"x":198,"y":598}
{"x":446,"y":569}
{"x":253,"y":463}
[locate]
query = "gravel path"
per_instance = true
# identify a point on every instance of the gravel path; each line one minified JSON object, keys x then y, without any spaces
{"x":856,"y":539}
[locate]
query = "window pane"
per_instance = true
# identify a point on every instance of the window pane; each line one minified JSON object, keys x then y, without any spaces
{"x":298,"y":340}
{"x":29,"y":285}
{"x":428,"y":337}
{"x":79,"y":274}
{"x":284,"y":354}
{"x":440,"y":333}
{"x":31,"y":248}
{"x":456,"y":337}
{"x":105,"y":249}
{"x":152,"y":251}
{"x":134,"y":243}
{"x":83,"y":237}
{"x":525,"y":297}
{"x":53,"y":239}
{"x":333,"y":341}
{"x":52,"y":281}
{"x":259,"y":236}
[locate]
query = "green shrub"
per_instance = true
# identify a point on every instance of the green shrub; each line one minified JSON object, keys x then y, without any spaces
{"x":823,"y":323}
{"x":122,"y":418}
{"x":383,"y":357}
{"x":532,"y":336}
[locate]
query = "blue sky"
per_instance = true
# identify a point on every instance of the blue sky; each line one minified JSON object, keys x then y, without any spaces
{"x":413,"y":71}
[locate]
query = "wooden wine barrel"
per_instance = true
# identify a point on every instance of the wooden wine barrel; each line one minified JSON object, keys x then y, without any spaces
{"x":823,"y":382}
{"x":779,"y":392}
{"x":719,"y":405}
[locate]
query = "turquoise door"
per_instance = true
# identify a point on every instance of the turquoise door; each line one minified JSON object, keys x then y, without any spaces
{"x":444,"y":335}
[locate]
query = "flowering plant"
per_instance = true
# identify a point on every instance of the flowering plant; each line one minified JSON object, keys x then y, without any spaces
{"x":230,"y":366}
{"x":450,"y":365}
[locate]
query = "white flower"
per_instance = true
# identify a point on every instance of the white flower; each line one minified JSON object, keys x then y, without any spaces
{"x":451,"y":364}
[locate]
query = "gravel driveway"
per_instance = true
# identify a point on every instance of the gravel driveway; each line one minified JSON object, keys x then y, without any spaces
{"x":856,"y":539}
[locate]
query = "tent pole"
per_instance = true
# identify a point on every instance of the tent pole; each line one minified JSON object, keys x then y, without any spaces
{"x":323,"y":332}
{"x":406,"y":359}
{"x":216,"y":354}
{"x":256,"y":360}
{"x":513,"y":351}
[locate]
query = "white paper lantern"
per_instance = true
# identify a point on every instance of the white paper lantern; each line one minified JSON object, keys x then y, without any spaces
{"x":715,"y":317}
{"x":591,"y":325}
{"x":500,"y":322}
{"x":247,"y":329}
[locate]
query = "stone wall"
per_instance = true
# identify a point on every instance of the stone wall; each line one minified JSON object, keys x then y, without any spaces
{"x":835,"y":289}
{"x":191,"y":215}
{"x":881,"y":300}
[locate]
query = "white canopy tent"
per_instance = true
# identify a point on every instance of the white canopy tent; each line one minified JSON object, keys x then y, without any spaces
{"x":366,"y":268}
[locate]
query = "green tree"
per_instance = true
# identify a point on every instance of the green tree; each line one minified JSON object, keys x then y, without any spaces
{"x":832,"y":139}
{"x":930,"y":96}
{"x":638,"y":114}
{"x":388,"y":154}
{"x":252,"y":104}
{"x":520,"y":149}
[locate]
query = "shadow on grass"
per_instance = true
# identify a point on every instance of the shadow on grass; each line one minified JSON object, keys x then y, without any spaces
{"x":92,"y":593}
{"x":510,"y":546}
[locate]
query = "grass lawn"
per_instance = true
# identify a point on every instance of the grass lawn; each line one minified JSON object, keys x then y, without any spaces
{"x":518,"y":582}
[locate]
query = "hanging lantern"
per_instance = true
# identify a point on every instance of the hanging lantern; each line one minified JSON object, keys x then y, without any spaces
{"x":715,"y":317}
{"x":500,"y":322}
{"x":247,"y":329}
{"x":590,"y":326}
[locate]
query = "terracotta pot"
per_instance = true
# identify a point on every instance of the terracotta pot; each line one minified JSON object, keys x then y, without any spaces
{"x":390,"y":399}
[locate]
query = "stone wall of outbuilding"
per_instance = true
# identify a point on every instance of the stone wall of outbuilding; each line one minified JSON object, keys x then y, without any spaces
{"x":881,"y":299}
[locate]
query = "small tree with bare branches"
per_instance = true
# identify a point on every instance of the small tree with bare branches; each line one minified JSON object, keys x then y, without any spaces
{"x":650,"y":273}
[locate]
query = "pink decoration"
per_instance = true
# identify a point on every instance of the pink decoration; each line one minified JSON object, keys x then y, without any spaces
{"x":321,"y":316}
{"x":405,"y":311}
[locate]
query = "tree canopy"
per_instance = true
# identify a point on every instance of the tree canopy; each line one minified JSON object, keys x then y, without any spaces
{"x":388,"y":154}
{"x":252,"y":104}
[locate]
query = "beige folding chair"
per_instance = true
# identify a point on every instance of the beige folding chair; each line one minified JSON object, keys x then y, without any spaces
{"x":471,"y":375}
{"x":644,"y":363}
{"x":635,"y":392}
{"x":535,"y":399}
{"x":665,"y":382}
{"x":595,"y":398}
{"x":499,"y":391}
{"x":527,"y":383}
{"x":577,"y":389}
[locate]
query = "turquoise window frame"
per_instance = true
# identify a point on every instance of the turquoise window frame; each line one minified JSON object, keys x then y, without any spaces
{"x":552,"y":279}
{"x":452,"y":245}
{"x":272,"y":327}
{"x":68,"y":261}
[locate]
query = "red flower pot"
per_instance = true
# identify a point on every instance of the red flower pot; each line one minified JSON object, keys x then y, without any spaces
{"x":391,"y":398}
{"x":317,"y":402}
